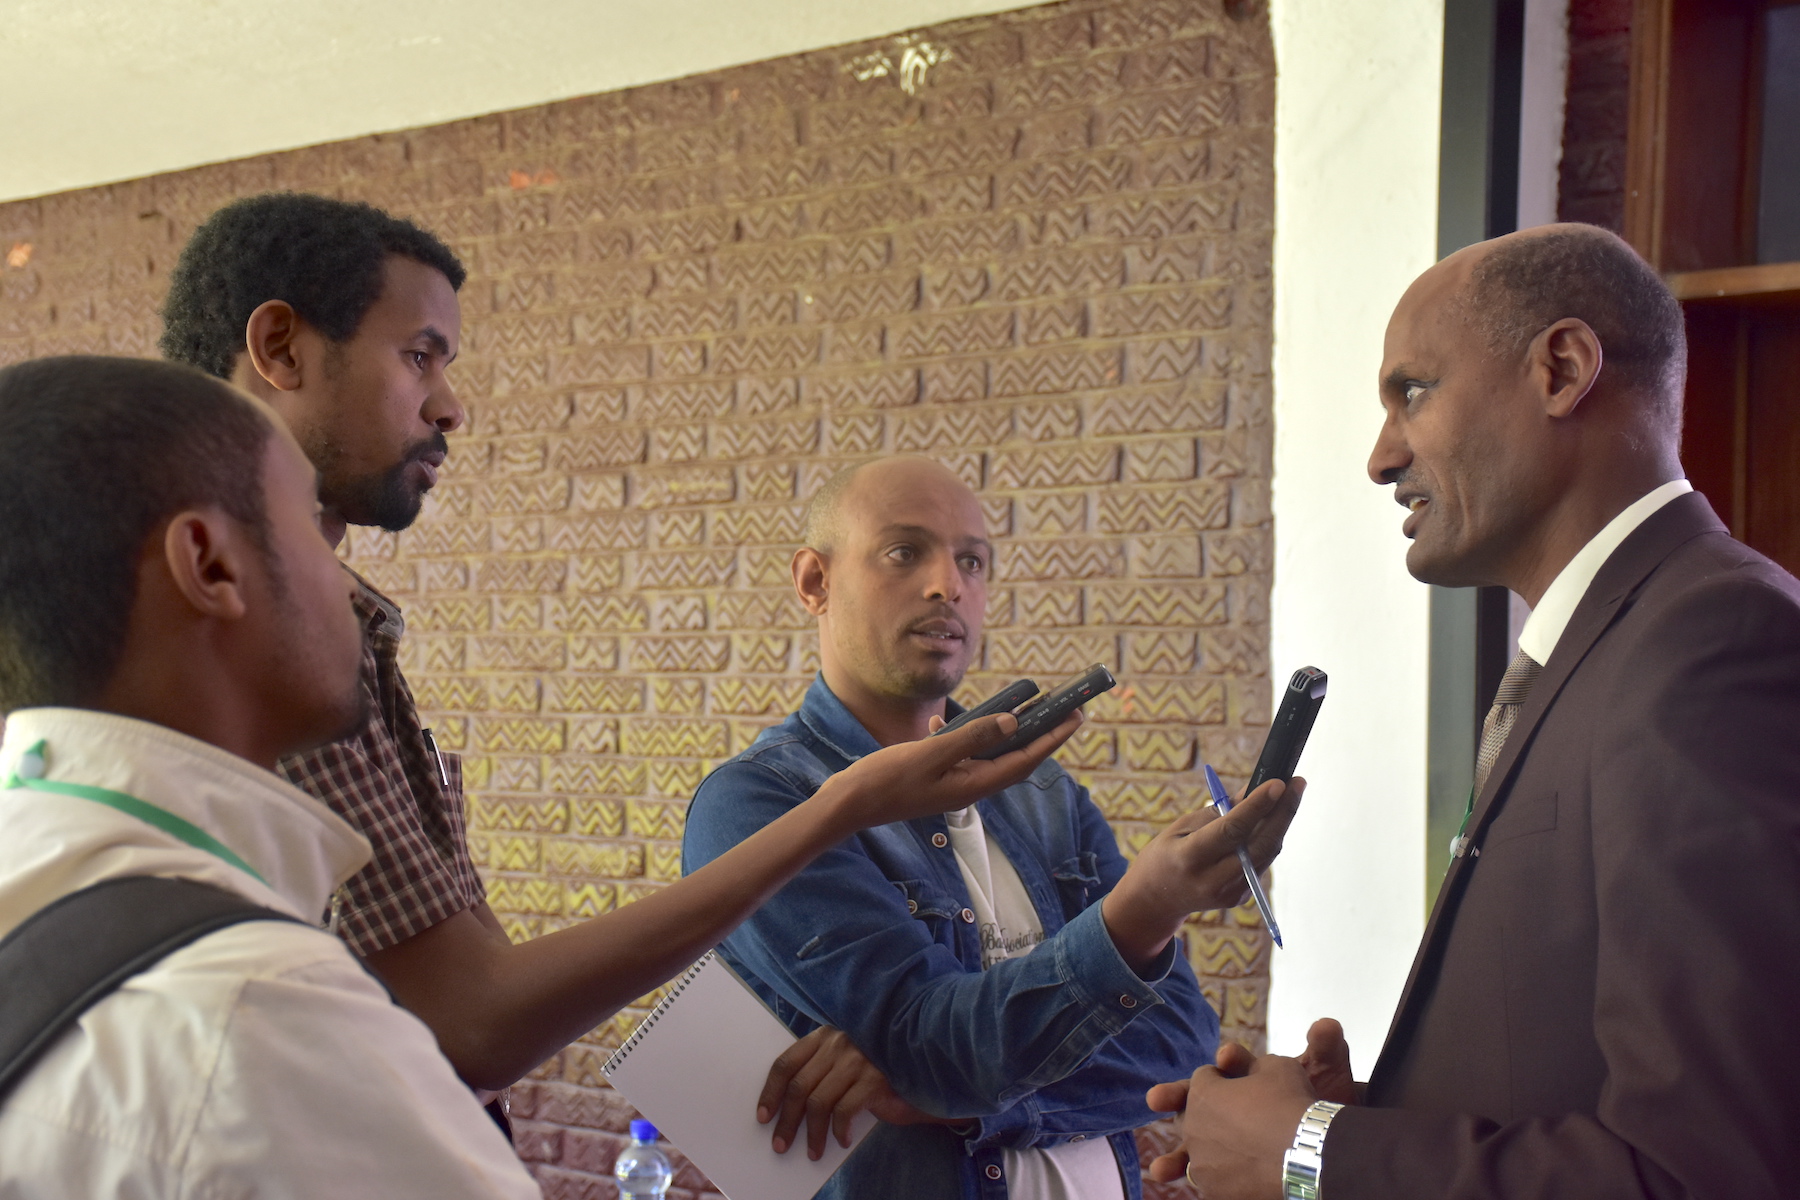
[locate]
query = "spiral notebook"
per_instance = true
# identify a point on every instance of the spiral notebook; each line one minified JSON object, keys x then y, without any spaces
{"x":695,"y":1068}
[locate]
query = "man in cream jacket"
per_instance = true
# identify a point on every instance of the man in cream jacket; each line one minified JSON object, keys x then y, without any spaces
{"x":170,"y":623}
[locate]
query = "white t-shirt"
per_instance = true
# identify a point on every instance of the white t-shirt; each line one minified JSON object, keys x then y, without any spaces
{"x":1009,"y":928}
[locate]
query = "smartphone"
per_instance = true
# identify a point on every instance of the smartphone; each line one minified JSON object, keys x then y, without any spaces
{"x":1292,"y":725}
{"x":1004,"y":700}
{"x":1048,"y":711}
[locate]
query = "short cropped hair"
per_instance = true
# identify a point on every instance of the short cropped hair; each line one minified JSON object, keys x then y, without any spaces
{"x":823,"y":524}
{"x":95,"y":455}
{"x":323,"y":256}
{"x":1526,"y":284}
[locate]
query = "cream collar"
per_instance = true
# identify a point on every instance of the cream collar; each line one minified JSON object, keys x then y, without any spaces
{"x":299,"y":846}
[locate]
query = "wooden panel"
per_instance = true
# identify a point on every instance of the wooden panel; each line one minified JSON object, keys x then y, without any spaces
{"x":1689,"y":155}
{"x":1709,"y":433}
{"x":1770,"y":283}
{"x":1707,"y":121}
{"x":1645,"y":137}
{"x":1773,"y":437}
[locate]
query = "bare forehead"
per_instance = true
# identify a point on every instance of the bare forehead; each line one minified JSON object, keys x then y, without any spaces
{"x":1429,"y":317}
{"x":416,"y":294}
{"x":913,"y":492}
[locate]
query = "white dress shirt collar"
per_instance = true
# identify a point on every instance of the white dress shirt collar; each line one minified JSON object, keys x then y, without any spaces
{"x":1544,"y":628}
{"x":298,"y":845}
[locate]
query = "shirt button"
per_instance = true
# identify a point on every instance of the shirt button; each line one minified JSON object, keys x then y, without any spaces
{"x":993,"y":1172}
{"x":968,"y":916}
{"x":1128,"y":1001}
{"x":912,"y":906}
{"x":1080,"y":1137}
{"x":939,"y":840}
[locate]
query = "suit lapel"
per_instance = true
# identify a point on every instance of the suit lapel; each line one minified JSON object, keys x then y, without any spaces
{"x":1680,"y":520}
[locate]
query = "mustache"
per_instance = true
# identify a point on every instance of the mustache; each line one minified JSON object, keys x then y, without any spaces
{"x":954,"y":623}
{"x":426,"y":446}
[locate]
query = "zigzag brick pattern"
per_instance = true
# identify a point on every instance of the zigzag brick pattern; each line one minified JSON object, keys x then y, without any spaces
{"x":1591,"y":179}
{"x":689,"y":304}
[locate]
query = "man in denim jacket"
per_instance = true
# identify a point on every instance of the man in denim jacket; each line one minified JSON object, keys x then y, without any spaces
{"x":1001,"y":1019}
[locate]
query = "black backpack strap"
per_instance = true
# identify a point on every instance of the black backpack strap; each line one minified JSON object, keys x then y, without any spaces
{"x":71,"y":954}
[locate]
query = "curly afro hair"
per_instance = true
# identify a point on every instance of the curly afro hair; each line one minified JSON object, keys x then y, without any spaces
{"x":322,"y":256}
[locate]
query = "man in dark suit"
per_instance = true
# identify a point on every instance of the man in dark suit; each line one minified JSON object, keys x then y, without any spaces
{"x":1606,"y":1002}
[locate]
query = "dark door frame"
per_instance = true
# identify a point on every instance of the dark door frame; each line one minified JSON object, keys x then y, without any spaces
{"x":1478,"y":198}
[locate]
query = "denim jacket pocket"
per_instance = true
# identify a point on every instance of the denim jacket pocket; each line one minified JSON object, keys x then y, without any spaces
{"x":1077,"y":882}
{"x":929,"y":905}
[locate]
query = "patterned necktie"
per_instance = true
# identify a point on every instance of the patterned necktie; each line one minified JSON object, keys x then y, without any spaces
{"x":1509,"y":700}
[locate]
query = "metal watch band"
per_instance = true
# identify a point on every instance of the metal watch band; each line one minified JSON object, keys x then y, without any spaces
{"x":1301,"y":1165}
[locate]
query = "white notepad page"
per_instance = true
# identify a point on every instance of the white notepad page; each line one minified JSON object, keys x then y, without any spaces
{"x":695,"y":1068}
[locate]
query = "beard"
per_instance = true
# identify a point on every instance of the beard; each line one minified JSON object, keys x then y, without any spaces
{"x":353,"y":711}
{"x":386,"y":499}
{"x":903,"y":675}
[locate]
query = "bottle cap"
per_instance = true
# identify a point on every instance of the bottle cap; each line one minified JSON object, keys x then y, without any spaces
{"x":643,"y":1131}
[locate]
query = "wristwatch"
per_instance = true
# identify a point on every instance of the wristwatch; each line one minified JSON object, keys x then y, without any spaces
{"x":1301,"y":1165}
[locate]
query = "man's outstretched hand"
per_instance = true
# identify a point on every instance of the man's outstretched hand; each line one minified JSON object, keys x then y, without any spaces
{"x":826,"y":1081}
{"x":1238,"y":1118}
{"x":936,"y":774}
{"x":1192,"y":866}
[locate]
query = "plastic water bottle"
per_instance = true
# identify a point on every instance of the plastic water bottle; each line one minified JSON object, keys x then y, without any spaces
{"x":643,"y":1171}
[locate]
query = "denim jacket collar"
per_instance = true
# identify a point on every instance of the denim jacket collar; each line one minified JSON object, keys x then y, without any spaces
{"x":829,"y":721}
{"x":835,"y":725}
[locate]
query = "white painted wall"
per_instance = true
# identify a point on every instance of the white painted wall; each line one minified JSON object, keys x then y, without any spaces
{"x":1544,"y":87}
{"x":1356,"y":169}
{"x":94,"y":91}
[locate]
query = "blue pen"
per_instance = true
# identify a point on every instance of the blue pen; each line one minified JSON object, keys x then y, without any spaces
{"x":1222,"y":802}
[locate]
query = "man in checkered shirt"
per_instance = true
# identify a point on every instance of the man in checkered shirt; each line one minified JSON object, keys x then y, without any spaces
{"x":378,"y":296}
{"x":344,"y":319}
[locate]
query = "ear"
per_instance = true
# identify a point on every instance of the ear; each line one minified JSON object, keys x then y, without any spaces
{"x":270,"y":338}
{"x":812,"y":582}
{"x":207,"y":555}
{"x":1565,"y":360}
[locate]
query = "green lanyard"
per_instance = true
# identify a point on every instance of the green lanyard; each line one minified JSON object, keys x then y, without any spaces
{"x":1460,"y":842}
{"x":143,"y":810}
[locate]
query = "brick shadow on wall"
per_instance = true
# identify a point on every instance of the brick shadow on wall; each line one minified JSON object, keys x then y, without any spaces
{"x":1048,"y":266}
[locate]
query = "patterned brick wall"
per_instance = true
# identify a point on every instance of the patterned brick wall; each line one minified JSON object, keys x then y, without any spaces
{"x":1046,"y":262}
{"x":1592,"y":186}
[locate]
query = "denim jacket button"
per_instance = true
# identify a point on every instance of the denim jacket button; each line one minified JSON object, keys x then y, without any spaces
{"x":1080,"y":1137}
{"x":968,"y":916}
{"x":1128,"y":1001}
{"x":912,"y":906}
{"x":993,"y":1172}
{"x":939,"y":840}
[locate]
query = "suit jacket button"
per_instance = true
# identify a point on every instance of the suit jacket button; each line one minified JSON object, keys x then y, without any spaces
{"x":939,"y":840}
{"x":968,"y":916}
{"x":993,"y":1172}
